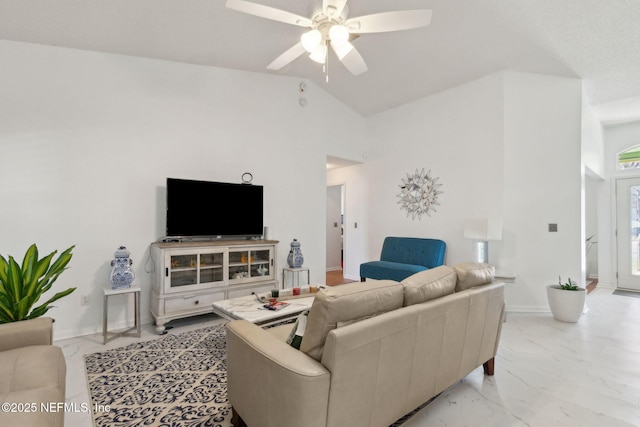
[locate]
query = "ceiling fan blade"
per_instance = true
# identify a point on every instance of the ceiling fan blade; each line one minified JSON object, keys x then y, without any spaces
{"x":268,"y":12}
{"x":290,"y":55}
{"x":389,"y":21}
{"x":333,"y":8}
{"x":354,"y":63}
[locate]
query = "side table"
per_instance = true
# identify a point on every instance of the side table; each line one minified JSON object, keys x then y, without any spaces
{"x":108,"y":292}
{"x":294,"y":272}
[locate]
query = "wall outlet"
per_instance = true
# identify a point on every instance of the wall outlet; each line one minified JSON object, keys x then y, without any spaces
{"x":85,"y":299}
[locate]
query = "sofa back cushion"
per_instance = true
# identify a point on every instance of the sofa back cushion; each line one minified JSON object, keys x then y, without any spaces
{"x":429,"y":284}
{"x":344,"y":304}
{"x":471,"y":274}
{"x":413,"y":250}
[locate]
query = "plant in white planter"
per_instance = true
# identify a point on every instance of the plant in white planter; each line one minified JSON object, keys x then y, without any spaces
{"x":566,"y":300}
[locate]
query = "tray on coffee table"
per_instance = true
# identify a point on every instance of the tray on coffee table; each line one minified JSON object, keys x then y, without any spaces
{"x":252,"y":309}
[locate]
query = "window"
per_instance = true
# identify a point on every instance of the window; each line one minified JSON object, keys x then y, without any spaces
{"x":629,"y":158}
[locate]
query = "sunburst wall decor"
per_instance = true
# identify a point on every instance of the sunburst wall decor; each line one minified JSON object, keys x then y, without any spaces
{"x":419,"y":194}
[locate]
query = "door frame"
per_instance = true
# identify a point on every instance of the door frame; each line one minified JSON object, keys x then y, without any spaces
{"x":620,"y":234}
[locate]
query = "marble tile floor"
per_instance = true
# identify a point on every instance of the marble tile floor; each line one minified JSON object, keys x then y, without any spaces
{"x":547,"y":373}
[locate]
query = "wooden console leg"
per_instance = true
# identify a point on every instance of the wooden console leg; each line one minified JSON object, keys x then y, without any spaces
{"x":236,"y":420}
{"x":488,"y":366}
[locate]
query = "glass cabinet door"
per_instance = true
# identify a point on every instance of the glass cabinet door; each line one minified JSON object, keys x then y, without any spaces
{"x":260,"y":261}
{"x":238,"y":265}
{"x":251,"y":264}
{"x":183,"y":270}
{"x":211,"y":268}
{"x":194,"y":269}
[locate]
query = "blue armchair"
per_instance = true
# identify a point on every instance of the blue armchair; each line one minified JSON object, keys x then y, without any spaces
{"x":403,"y":256}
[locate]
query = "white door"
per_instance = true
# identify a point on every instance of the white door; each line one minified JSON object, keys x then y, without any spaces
{"x":628,"y":232}
{"x":334,"y":228}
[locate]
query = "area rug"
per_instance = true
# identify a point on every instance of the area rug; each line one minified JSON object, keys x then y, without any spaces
{"x":626,"y":293}
{"x":174,"y":381}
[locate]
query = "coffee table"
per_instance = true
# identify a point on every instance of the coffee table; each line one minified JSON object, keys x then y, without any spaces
{"x":250,"y":309}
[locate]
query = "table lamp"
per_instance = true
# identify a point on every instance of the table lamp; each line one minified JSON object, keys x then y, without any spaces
{"x":481,"y":231}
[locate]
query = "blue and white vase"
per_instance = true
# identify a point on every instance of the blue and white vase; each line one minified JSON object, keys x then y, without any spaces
{"x":122,"y":274}
{"x":295,"y":258}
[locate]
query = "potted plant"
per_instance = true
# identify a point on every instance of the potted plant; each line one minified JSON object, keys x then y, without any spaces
{"x":566,"y":300}
{"x":21,"y":286}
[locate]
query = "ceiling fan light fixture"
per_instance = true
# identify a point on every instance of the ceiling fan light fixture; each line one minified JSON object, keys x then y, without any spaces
{"x":339,"y":34}
{"x":311,"y":40}
{"x":319,"y":55}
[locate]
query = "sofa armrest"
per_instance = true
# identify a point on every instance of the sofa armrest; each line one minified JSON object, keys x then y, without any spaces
{"x":270,"y":383}
{"x":25,"y":333}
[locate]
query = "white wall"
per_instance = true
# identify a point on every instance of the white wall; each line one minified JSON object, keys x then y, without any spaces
{"x":458,"y":136}
{"x":505,"y":146}
{"x":595,"y":210}
{"x":543,"y":184}
{"x":88,"y":140}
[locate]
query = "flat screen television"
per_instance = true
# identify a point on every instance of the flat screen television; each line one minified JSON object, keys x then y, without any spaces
{"x":213,"y":209}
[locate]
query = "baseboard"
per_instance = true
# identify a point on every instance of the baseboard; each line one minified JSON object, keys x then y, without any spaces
{"x":334,"y":269}
{"x":356,"y":278}
{"x":93,"y":330}
{"x":527,"y":309}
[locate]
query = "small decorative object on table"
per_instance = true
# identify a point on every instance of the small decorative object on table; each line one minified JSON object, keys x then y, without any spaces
{"x":122,"y":274}
{"x":295,"y":258}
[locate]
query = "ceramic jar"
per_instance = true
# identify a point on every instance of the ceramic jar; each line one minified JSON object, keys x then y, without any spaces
{"x":295,"y":258}
{"x":122,"y":274}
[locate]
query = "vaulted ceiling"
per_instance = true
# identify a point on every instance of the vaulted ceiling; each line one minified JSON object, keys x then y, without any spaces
{"x":595,"y":40}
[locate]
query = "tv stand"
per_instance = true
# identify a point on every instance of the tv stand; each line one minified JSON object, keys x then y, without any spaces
{"x":191,"y":275}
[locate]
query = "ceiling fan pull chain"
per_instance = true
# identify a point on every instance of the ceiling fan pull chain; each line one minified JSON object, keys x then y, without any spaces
{"x":326,"y":62}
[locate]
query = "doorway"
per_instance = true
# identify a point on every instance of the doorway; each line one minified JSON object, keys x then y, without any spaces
{"x":628,"y":233}
{"x":335,"y":230}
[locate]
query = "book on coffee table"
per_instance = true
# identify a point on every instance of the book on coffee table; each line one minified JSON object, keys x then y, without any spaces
{"x":275,"y":306}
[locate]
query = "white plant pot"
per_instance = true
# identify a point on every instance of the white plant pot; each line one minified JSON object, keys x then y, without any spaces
{"x":566,"y":306}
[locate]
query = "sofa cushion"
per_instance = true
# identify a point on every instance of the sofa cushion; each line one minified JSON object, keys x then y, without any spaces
{"x":32,"y":367}
{"x":344,"y":303}
{"x":472,"y":274}
{"x":32,"y":375}
{"x":387,"y":270}
{"x":429,"y":284}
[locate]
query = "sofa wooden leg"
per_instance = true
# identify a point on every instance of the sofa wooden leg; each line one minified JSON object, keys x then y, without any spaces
{"x":362,"y":279}
{"x":488,"y":366}
{"x":236,"y":419}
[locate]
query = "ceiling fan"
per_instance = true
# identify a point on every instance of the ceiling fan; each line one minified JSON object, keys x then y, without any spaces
{"x":330,"y":26}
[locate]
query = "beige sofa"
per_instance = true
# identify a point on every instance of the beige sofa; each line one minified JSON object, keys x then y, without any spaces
{"x":371,"y":352}
{"x":32,"y":372}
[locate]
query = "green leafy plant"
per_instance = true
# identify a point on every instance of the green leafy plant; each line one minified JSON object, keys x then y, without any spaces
{"x":22,"y":286}
{"x":569,"y":286}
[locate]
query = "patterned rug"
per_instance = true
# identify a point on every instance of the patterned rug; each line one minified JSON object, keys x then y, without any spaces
{"x":174,"y":381}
